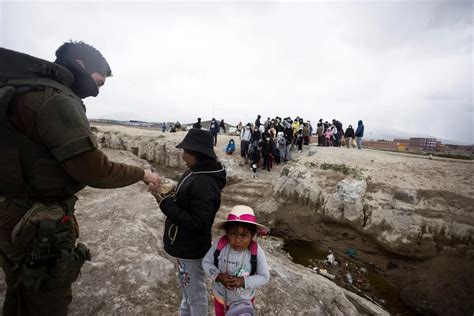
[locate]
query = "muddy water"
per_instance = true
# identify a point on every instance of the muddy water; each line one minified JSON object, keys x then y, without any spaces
{"x":371,"y":284}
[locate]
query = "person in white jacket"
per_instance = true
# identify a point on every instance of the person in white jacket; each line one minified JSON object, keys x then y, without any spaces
{"x":236,"y":263}
{"x":245,"y":135}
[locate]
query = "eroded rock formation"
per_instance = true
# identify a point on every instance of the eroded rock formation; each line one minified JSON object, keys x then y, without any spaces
{"x":412,"y":218}
{"x":409,"y":222}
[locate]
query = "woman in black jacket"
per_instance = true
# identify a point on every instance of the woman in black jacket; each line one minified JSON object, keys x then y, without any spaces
{"x":268,"y":149}
{"x":349,"y":136}
{"x":190,"y":214}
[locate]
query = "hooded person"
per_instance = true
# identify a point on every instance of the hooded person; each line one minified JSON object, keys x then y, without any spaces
{"x":281,"y":146}
{"x":349,"y":136}
{"x":359,"y":133}
{"x":198,"y":123}
{"x":230,"y":148}
{"x":214,"y":129}
{"x":190,"y":213}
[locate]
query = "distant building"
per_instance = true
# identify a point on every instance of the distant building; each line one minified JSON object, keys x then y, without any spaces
{"x":423,"y":143}
{"x":452,"y":148}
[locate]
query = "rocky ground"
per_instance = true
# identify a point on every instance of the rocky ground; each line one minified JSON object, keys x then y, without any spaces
{"x":409,"y":218}
{"x":131,"y":274}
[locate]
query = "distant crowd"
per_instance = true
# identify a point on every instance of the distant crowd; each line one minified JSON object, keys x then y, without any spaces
{"x":334,"y":135}
{"x":273,"y":141}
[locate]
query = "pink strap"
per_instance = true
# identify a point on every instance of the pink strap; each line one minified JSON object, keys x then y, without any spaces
{"x":253,"y":247}
{"x":243,"y":217}
{"x":223,"y":241}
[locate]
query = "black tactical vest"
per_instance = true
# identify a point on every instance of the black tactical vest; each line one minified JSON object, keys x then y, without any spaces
{"x":29,"y":169}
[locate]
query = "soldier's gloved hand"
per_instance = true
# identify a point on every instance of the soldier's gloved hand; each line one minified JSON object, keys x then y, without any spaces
{"x":152,"y":180}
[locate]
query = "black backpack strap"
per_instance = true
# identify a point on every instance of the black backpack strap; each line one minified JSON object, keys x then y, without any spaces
{"x":253,"y":264}
{"x":216,"y":257}
{"x":253,"y":247}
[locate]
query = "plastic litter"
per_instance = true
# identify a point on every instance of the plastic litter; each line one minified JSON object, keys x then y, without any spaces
{"x":326,"y":274}
{"x":330,"y":258}
{"x":349,"y":277}
{"x":351,"y":252}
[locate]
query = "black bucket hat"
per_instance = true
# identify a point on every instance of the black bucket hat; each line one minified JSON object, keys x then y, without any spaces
{"x":199,"y":140}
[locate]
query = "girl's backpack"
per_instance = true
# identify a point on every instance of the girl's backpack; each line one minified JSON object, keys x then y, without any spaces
{"x":243,"y":308}
{"x":223,"y":241}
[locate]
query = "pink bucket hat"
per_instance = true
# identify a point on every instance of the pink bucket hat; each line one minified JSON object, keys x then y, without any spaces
{"x":243,"y":214}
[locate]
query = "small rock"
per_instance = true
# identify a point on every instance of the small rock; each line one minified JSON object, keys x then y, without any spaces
{"x":407,"y":196}
{"x":391,"y":265}
{"x":366,"y":286}
{"x":363,"y":270}
{"x":470,"y":254}
{"x":461,"y":250}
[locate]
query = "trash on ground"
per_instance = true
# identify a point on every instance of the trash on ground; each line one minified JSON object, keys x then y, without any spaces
{"x":351,"y":252}
{"x":349,"y":277}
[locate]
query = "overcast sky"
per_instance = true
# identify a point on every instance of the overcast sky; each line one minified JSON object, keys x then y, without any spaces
{"x":404,"y":65}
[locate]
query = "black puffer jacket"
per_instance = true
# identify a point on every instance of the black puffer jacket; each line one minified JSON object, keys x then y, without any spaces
{"x":190,"y":215}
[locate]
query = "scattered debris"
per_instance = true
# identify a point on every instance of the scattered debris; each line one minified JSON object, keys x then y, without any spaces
{"x":326,"y":274}
{"x":351,"y":252}
{"x":349,"y":277}
{"x":391,"y":265}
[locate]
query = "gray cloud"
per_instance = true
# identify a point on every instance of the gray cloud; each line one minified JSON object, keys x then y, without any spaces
{"x":396,"y":65}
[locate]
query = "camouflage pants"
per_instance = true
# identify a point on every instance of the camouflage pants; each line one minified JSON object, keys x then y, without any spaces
{"x":18,"y":299}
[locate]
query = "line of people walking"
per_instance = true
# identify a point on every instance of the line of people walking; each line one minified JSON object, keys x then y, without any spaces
{"x":333,"y":135}
{"x":273,"y":141}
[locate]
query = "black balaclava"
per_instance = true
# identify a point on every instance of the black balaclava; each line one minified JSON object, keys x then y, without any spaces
{"x":84,"y":85}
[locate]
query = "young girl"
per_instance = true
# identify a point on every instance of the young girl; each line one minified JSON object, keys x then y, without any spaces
{"x":328,"y":137}
{"x":229,"y":262}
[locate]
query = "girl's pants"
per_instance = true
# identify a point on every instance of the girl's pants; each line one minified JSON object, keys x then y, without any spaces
{"x":193,"y":287}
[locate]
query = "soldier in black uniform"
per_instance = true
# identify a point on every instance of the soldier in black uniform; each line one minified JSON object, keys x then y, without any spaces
{"x":48,"y":154}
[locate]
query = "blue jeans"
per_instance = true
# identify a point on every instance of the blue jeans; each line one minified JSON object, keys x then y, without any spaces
{"x":359,"y":142}
{"x":193,"y":287}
